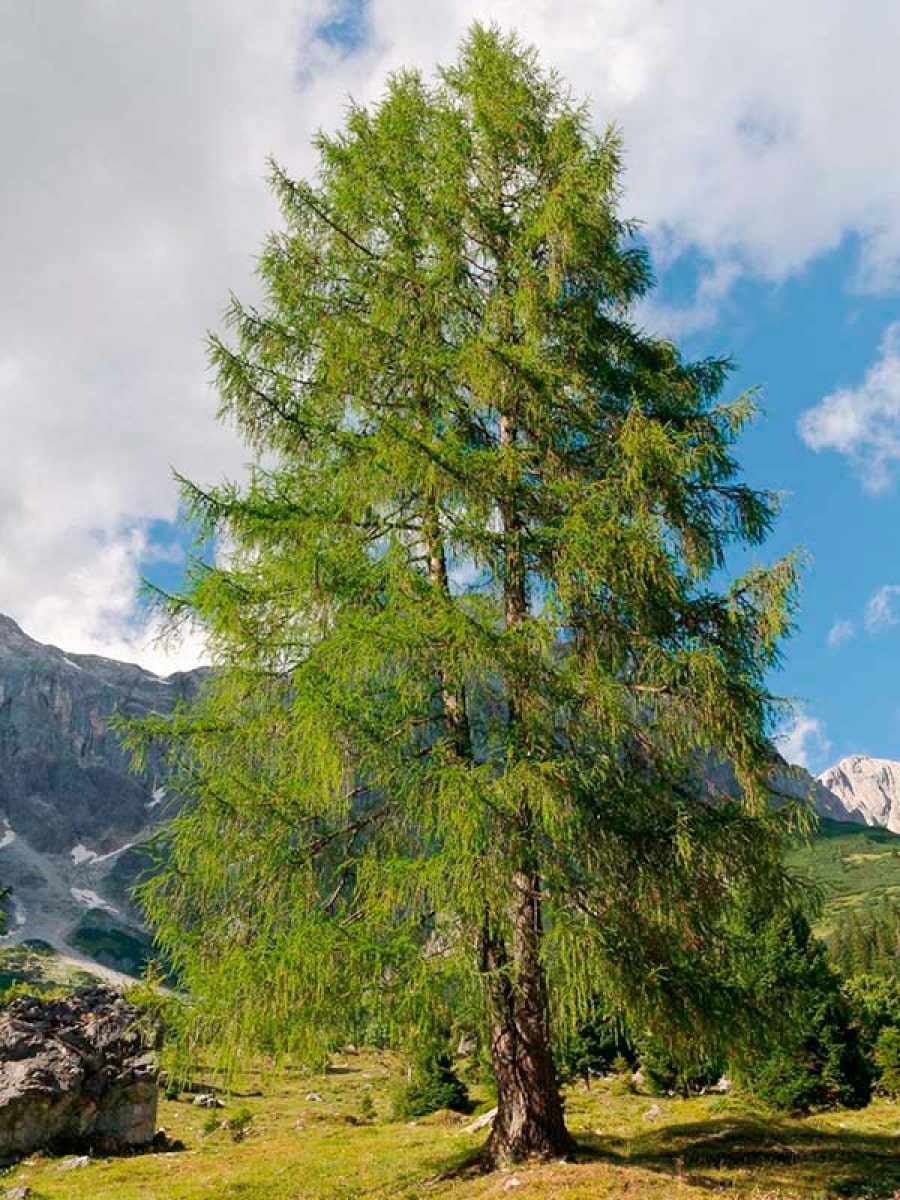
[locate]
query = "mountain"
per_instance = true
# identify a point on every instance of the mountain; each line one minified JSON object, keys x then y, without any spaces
{"x":71,"y":811}
{"x":867,"y":790}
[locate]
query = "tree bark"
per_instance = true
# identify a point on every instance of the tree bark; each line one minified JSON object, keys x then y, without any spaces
{"x":530,"y":1121}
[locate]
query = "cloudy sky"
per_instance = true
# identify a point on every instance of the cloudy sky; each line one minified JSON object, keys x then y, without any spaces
{"x":763,"y":154}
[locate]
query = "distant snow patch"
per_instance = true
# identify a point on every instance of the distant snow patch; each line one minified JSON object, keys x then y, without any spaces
{"x":69,"y":662}
{"x":113,"y":853}
{"x":159,"y":794}
{"x":8,"y":836}
{"x":89,"y":899}
{"x":81,"y":854}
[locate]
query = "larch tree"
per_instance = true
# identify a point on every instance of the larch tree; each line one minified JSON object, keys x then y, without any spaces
{"x":472,"y":635}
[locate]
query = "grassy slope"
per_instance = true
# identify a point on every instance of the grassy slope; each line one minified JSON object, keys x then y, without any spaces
{"x":855,"y":865}
{"x":299,"y":1149}
{"x":37,"y":966}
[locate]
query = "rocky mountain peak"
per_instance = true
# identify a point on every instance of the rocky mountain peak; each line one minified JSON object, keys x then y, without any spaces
{"x":867,"y":788}
{"x":11,"y":633}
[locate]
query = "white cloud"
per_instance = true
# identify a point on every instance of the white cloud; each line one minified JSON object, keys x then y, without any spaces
{"x":882,"y":609}
{"x":840,"y":632}
{"x":804,"y":741}
{"x":89,"y":606}
{"x":133,"y":141}
{"x":863,"y":422}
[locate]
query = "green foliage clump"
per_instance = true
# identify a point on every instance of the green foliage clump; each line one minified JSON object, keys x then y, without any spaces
{"x":865,"y":946}
{"x":597,"y":1046}
{"x":434,"y":1085}
{"x":668,"y":1072}
{"x":367,"y":1110}
{"x":102,"y":938}
{"x":623,"y":1082}
{"x":239,"y":1123}
{"x":868,"y":942}
{"x":887,"y":1061}
{"x":33,"y":968}
{"x":874,"y":1001}
{"x":21,"y":988}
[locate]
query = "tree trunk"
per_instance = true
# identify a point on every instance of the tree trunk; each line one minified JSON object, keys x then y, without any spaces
{"x":529,"y":1121}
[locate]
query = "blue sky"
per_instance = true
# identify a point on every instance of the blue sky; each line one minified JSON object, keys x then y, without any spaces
{"x":799,"y":341}
{"x":762,"y":156}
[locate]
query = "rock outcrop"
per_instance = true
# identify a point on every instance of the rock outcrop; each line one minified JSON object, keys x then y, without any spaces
{"x":75,"y":1074}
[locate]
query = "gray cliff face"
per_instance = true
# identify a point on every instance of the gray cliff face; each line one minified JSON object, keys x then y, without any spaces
{"x":797,"y":783}
{"x":64,"y":778}
{"x":787,"y":783}
{"x":70,"y":806}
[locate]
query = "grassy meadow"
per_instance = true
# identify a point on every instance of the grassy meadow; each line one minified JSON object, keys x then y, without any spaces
{"x":274,"y":1142}
{"x":855,"y":866}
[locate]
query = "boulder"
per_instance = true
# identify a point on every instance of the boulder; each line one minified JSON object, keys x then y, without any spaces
{"x":481,"y":1122}
{"x":76,"y":1074}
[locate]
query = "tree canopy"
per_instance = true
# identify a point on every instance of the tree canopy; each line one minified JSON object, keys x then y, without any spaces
{"x":473,"y":634}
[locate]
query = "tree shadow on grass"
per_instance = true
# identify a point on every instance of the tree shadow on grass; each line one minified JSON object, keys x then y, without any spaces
{"x":771,"y":1154}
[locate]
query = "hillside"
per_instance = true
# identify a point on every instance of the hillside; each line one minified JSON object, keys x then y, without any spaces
{"x":855,"y":866}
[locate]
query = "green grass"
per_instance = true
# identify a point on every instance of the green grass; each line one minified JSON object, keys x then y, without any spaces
{"x":855,"y":865}
{"x":299,"y":1149}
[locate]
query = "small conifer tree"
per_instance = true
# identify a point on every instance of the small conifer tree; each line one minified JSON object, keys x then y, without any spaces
{"x":887,"y":1061}
{"x":471,"y":632}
